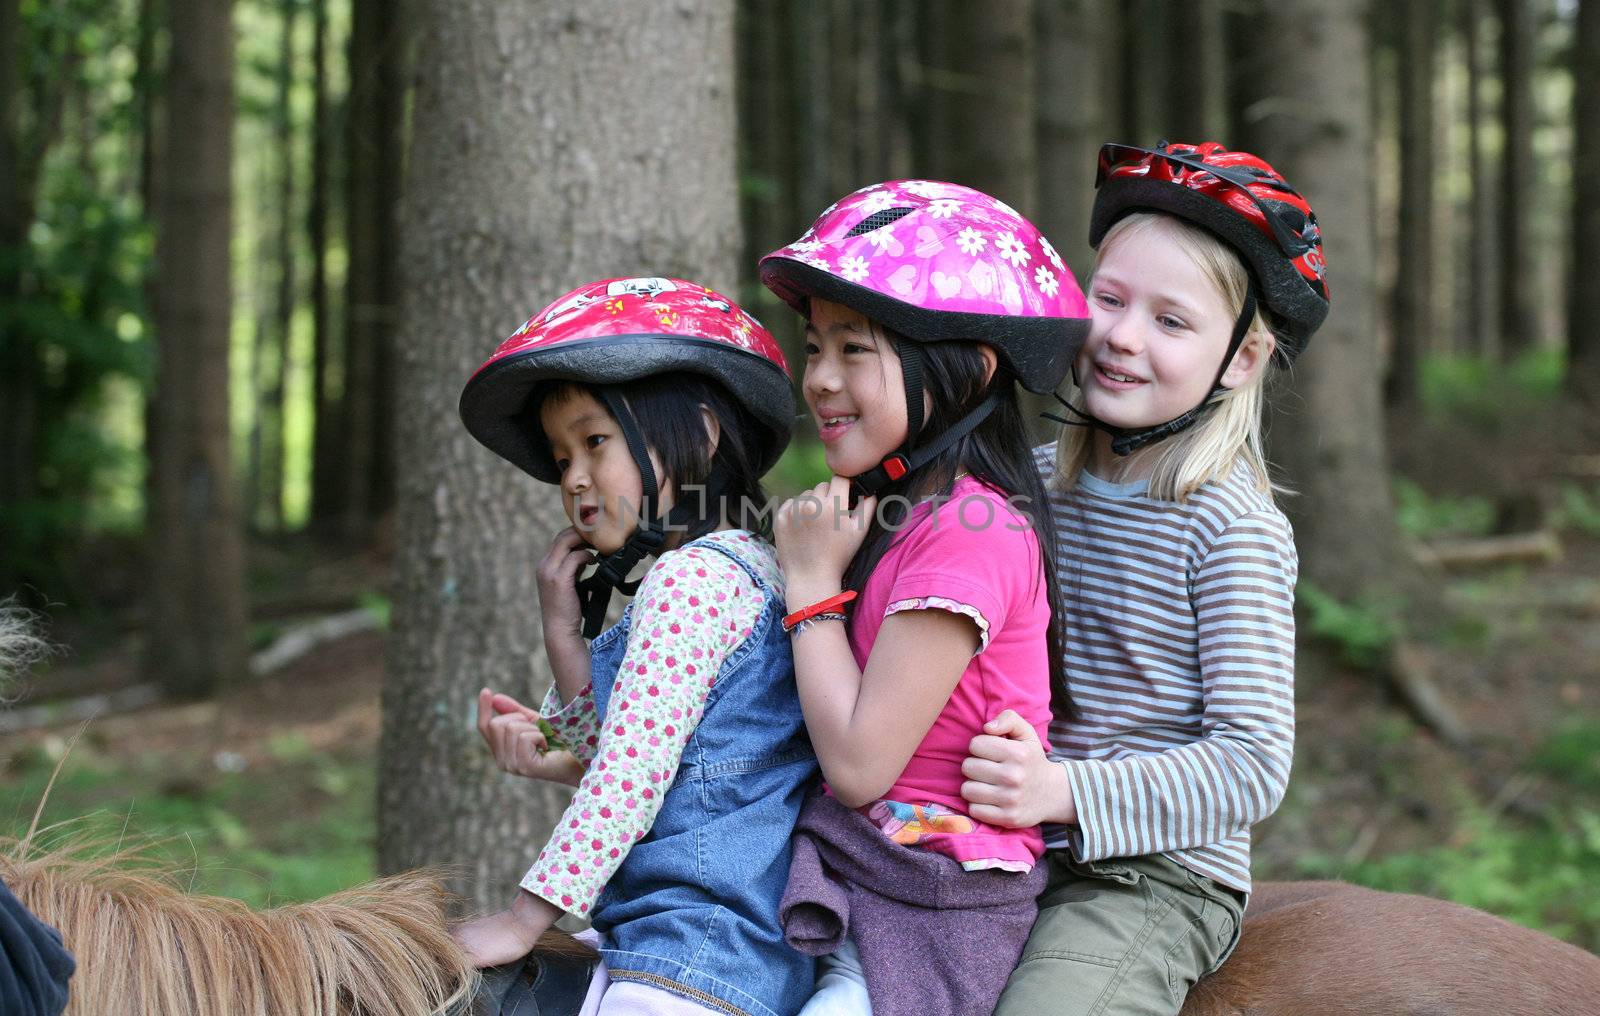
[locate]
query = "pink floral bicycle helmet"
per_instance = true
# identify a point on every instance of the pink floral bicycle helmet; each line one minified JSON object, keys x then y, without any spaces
{"x":938,"y":261}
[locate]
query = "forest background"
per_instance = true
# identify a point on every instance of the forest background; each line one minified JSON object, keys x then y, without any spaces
{"x":251,"y":249}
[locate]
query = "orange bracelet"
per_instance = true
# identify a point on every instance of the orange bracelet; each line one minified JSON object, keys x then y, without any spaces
{"x":832,"y":603}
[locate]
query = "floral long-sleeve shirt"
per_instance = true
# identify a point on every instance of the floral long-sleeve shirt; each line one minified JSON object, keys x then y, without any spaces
{"x":693,"y":608}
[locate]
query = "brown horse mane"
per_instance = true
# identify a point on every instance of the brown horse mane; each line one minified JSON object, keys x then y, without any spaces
{"x":144,"y":945}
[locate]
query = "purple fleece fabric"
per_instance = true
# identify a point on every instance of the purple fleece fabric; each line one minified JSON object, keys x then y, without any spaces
{"x":935,"y":940}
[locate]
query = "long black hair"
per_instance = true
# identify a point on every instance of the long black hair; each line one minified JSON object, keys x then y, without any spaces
{"x":998,"y":453}
{"x":667,"y":409}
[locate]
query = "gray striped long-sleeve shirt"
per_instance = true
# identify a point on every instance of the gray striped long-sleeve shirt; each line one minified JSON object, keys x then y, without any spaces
{"x":1180,"y":658}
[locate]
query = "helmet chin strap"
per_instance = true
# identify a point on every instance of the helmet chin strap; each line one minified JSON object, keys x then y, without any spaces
{"x":908,"y":456}
{"x":1126,"y":440}
{"x":611,"y":573}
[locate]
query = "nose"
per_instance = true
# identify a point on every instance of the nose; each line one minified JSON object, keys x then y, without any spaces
{"x":1122,"y":334}
{"x":822,"y":377}
{"x":575,"y":480}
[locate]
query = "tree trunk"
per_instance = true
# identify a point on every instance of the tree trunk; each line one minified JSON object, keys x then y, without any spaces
{"x":1149,"y":69}
{"x":1481,"y":325}
{"x":991,"y":105}
{"x":1198,"y":80}
{"x":1413,"y":290}
{"x":553,"y":145}
{"x":1583,"y":315}
{"x":197,"y":629}
{"x":374,"y":139}
{"x":1329,"y":434}
{"x":325,"y":457}
{"x":271,"y":405}
{"x":1076,"y":100}
{"x":1519,"y":309}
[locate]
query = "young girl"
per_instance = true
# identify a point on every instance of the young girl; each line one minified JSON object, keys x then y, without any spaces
{"x":926,"y":304}
{"x":679,"y":725}
{"x":1177,"y":574}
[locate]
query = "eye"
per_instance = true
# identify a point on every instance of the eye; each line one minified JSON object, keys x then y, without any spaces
{"x":595,"y":440}
{"x":562,"y":464}
{"x":856,"y":347}
{"x":1174,"y":323}
{"x":811,"y":349}
{"x":1106,"y":299}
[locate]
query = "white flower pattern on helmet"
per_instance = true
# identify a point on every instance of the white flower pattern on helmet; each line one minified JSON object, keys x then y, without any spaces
{"x":1046,"y":280}
{"x":944,"y":208}
{"x":876,"y":202}
{"x":881,"y":237}
{"x":926,"y":188}
{"x":1051,"y":253}
{"x":971,"y":241}
{"x":1012,"y":249}
{"x":805,"y":246}
{"x":854,"y":269}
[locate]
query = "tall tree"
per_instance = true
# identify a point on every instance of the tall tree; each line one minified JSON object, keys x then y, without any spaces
{"x":1583,"y":315}
{"x":552,"y":145}
{"x":324,"y":355}
{"x":1313,"y":123}
{"x":197,"y":630}
{"x":1330,"y":437}
{"x":993,"y":147}
{"x":1077,"y":110}
{"x":1197,"y":72}
{"x":1481,"y":325}
{"x":1519,"y":309}
{"x":1413,"y":291}
{"x":359,"y":479}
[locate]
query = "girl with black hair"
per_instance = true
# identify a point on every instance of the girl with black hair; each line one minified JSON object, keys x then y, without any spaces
{"x":656,"y":405}
{"x":926,"y":305}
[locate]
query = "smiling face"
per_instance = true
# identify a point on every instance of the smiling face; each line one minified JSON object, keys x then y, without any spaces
{"x":1160,"y":330}
{"x":854,"y":387}
{"x":600,"y":484}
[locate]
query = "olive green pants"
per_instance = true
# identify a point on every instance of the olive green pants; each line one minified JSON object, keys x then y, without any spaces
{"x":1121,"y":937}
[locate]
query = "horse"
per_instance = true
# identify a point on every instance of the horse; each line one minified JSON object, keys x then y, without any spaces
{"x":384,"y":949}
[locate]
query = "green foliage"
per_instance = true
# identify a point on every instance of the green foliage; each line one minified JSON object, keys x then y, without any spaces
{"x":1578,"y":510}
{"x":1422,"y":516}
{"x":1537,"y":871}
{"x":295,"y":827}
{"x":1485,"y":391}
{"x":73,"y":295}
{"x":802,"y":466}
{"x":1363,"y":632}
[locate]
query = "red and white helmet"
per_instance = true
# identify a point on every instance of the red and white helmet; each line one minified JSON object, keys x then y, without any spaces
{"x":937,"y":261}
{"x":620,"y":330}
{"x":1241,"y":199}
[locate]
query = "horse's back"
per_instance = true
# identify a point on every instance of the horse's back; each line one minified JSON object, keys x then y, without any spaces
{"x":1341,"y":950}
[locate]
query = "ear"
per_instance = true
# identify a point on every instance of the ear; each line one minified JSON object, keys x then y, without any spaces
{"x":1251,"y":359}
{"x":713,"y":427}
{"x":990,"y":361}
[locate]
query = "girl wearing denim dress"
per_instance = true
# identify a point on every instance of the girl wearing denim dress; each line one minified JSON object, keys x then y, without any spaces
{"x":656,"y":404}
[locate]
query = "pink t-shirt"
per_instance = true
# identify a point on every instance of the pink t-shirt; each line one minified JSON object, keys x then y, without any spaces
{"x":977,"y":556}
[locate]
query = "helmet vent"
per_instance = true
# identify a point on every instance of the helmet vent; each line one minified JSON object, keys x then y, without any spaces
{"x":877,"y":220}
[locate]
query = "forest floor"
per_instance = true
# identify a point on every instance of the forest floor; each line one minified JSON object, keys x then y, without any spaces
{"x":266,"y":792}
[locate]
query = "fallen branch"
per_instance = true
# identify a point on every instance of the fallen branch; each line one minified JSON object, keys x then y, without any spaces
{"x":76,"y":710}
{"x":1411,"y":677}
{"x":1538,"y":547}
{"x":302,"y":639}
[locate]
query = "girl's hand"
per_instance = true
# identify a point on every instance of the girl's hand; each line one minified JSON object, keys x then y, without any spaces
{"x":508,"y":935}
{"x":816,"y":535}
{"x":1010,"y":781}
{"x":519,"y":745}
{"x":558,"y":586}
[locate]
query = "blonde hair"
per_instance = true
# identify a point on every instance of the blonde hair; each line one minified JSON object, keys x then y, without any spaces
{"x":1229,"y":432}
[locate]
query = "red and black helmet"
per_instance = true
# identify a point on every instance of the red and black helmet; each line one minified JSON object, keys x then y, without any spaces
{"x":620,"y":330}
{"x":1242,"y":200}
